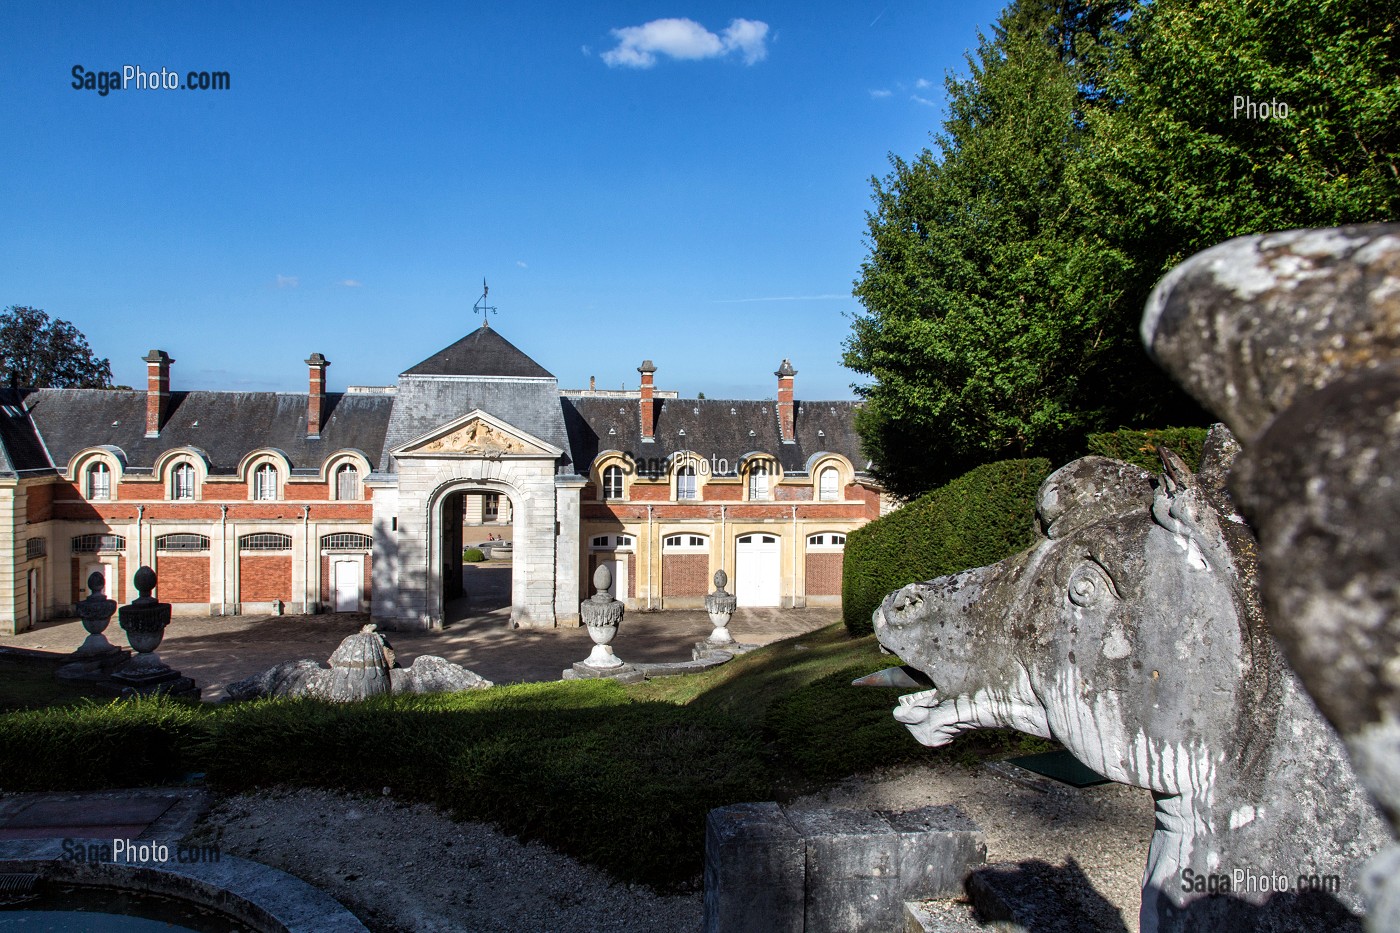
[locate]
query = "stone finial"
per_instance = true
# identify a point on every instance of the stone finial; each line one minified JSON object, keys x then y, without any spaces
{"x":602,"y":579}
{"x":721,"y":578}
{"x":144,"y":581}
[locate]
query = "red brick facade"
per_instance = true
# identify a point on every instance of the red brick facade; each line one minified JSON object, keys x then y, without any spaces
{"x":264,"y":577}
{"x":685,"y":574}
{"x":183,"y":578}
{"x":824,"y":574}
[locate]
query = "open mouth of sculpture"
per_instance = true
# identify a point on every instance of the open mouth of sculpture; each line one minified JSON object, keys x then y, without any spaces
{"x":915,"y":708}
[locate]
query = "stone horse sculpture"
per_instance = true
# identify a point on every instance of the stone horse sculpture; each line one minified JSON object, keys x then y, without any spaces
{"x":1293,"y":339}
{"x":1132,"y":633}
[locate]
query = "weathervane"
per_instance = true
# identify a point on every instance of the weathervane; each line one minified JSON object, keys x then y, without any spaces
{"x":482,"y":308}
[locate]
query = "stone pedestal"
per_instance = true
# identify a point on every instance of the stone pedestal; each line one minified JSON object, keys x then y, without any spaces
{"x":602,"y":614}
{"x":720,"y":605}
{"x":144,"y":622}
{"x":96,"y":658}
{"x":850,"y":871}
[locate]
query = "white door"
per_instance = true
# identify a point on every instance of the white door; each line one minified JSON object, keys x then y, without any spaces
{"x":617,"y":566}
{"x":33,"y":596}
{"x":346,"y":574}
{"x":756,"y":570}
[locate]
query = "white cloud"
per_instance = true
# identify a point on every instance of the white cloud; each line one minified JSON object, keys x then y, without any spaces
{"x":288,"y":281}
{"x":521,"y":264}
{"x":881,"y":93}
{"x":923,"y":84}
{"x":923,"y":100}
{"x":351,"y":283}
{"x":747,"y":36}
{"x":685,"y":39}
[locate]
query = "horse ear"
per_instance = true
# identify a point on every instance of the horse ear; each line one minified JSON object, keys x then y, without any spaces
{"x":1175,"y":473}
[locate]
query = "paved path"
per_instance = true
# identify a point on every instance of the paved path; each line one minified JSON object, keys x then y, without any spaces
{"x":216,"y":651}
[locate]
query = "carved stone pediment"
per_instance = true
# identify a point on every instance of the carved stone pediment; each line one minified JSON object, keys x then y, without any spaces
{"x":479,"y":438}
{"x":477,"y":435}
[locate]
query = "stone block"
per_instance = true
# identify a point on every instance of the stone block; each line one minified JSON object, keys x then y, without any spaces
{"x":755,"y":863}
{"x":852,"y":862}
{"x":938,"y":847}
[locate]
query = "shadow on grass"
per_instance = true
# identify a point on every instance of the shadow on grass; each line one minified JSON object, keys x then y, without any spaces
{"x":616,"y":776}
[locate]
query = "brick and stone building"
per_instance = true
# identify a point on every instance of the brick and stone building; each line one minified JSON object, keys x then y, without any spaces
{"x":356,"y":500}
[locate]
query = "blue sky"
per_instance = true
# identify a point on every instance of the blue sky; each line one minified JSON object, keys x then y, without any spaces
{"x":683,"y":182}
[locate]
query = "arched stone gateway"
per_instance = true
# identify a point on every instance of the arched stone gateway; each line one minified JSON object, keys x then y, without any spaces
{"x":479,"y":453}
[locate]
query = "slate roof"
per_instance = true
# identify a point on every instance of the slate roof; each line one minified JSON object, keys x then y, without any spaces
{"x":425,"y":403}
{"x":483,"y":352}
{"x":476,"y":372}
{"x":711,"y":430}
{"x":230,"y":424}
{"x":21,"y":450}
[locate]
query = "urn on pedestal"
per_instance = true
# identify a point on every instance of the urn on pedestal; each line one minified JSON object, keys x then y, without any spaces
{"x":96,"y":612}
{"x":144,"y":622}
{"x":720,"y":605}
{"x":602,"y":614}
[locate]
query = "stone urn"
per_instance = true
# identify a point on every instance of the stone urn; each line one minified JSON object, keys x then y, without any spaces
{"x":720,"y":605}
{"x":96,"y":612}
{"x":602,"y":614}
{"x":144,"y":622}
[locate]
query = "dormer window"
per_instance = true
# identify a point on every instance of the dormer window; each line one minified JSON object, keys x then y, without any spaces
{"x":347,"y":482}
{"x":759,"y":482}
{"x":99,"y":482}
{"x":182,"y":481}
{"x":612,"y":483}
{"x":827,"y":481}
{"x":685,"y":483}
{"x":265,"y":483}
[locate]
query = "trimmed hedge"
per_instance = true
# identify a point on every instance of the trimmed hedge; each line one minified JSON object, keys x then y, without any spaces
{"x":1140,"y":447}
{"x":473,"y":555}
{"x":977,"y":519}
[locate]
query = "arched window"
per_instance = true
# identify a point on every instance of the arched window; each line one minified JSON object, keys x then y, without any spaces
{"x":826,"y":485}
{"x":99,"y":481}
{"x":758,"y":482}
{"x":685,"y":483}
{"x":265,"y":482}
{"x":182,"y":481}
{"x":684,"y":543}
{"x":612,"y":482}
{"x":347,"y":482}
{"x":829,"y":540}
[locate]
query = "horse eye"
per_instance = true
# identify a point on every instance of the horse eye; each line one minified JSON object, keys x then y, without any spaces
{"x":1088,"y":585}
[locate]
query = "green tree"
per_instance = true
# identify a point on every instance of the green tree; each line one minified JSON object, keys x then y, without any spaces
{"x":994,"y":310}
{"x":42,"y":353}
{"x":1246,"y":117}
{"x":1093,"y":145}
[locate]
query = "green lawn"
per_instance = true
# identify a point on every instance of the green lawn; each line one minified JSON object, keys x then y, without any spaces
{"x":592,"y":768}
{"x":30,"y":684}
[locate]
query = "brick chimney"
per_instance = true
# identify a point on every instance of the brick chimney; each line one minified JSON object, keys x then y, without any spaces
{"x":316,"y":397}
{"x":647,"y":369}
{"x":786,"y":423}
{"x":157,"y":390}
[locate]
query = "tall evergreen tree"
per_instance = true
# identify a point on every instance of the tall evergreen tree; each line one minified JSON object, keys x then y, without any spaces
{"x":991,"y":301}
{"x":1093,"y":145}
